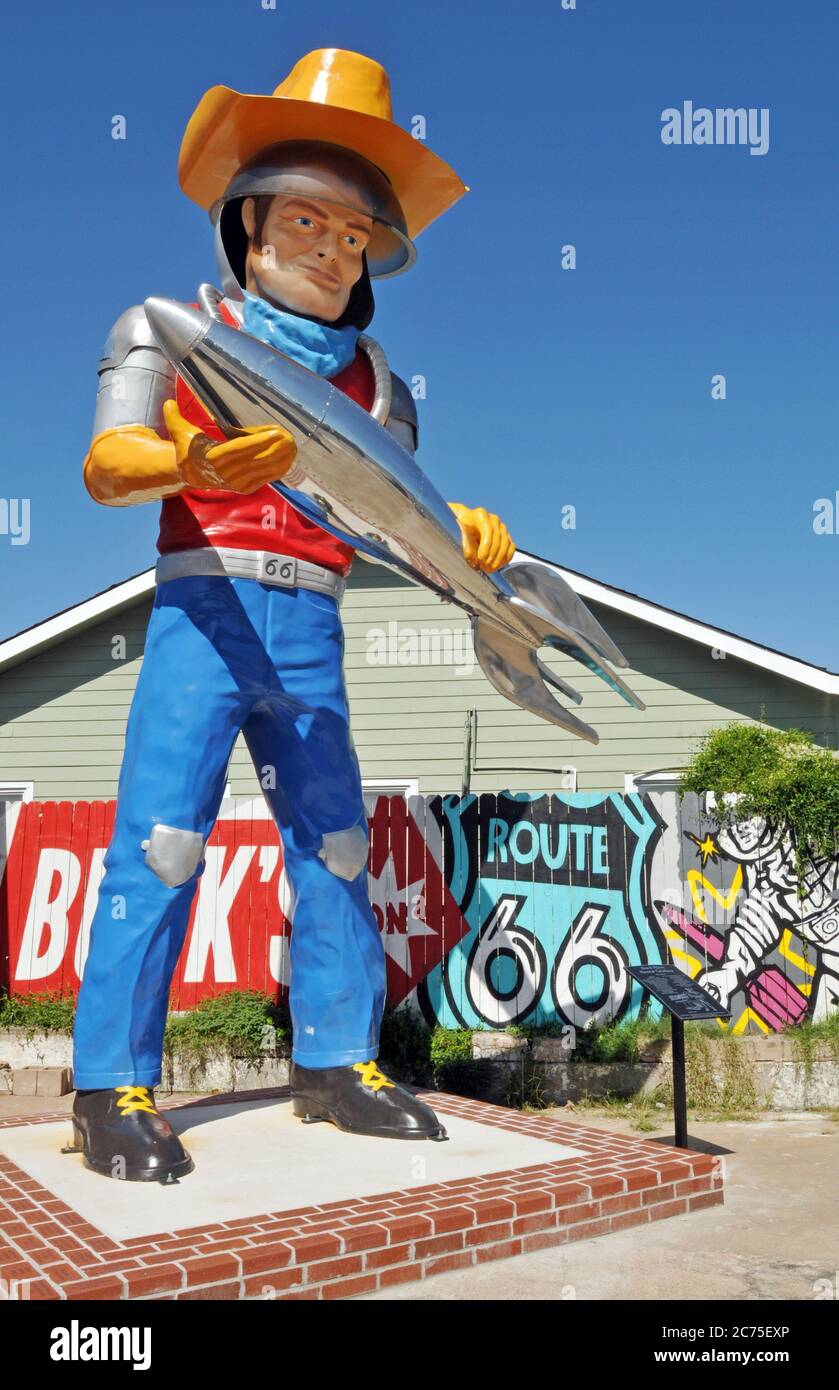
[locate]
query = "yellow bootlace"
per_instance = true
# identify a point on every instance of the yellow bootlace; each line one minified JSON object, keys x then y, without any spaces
{"x":135,"y":1098}
{"x":371,"y":1076}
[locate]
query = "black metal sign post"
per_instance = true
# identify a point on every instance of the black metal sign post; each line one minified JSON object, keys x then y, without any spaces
{"x":680,"y":1091}
{"x":685,"y":1001}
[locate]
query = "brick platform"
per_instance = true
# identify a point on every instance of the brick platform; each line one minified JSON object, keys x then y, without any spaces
{"x":340,"y":1249}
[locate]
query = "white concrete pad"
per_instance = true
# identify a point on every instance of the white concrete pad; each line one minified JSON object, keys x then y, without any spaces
{"x":254,"y":1157}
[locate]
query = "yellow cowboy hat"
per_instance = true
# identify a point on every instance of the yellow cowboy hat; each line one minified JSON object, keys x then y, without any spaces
{"x":337,"y":98}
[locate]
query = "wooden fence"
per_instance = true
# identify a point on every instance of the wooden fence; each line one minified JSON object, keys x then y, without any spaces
{"x":493,"y":909}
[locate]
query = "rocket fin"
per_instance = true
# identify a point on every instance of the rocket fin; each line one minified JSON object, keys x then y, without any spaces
{"x":542,"y":587}
{"x":551,"y":678}
{"x":517,"y":673}
{"x":549,"y":622}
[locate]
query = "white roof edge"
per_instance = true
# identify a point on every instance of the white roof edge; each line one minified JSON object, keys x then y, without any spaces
{"x":81,"y":615}
{"x":91,"y":610}
{"x":741,"y":647}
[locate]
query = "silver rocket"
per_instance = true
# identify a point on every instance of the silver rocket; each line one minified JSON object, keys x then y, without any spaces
{"x":352,"y":477}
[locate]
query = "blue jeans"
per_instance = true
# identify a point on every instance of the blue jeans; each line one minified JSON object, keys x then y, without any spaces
{"x":224,"y":655}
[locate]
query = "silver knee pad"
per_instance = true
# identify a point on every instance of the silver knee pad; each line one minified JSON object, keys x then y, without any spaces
{"x":173,"y":854}
{"x":344,"y":852}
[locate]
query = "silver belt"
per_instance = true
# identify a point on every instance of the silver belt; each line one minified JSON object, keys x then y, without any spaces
{"x":284,"y":571}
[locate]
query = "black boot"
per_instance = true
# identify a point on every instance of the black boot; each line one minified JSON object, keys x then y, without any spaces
{"x":121,"y":1134}
{"x":361,"y":1100}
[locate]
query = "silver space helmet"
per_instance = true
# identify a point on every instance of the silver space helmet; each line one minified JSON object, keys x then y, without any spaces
{"x":310,"y":168}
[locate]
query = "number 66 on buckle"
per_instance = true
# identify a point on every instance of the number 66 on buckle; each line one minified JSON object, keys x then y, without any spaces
{"x":278,"y":569}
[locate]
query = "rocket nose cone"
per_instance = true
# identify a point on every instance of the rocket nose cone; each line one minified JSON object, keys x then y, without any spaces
{"x":176,"y":327}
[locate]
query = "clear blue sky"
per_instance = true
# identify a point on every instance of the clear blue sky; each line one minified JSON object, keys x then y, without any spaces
{"x":545,"y":387}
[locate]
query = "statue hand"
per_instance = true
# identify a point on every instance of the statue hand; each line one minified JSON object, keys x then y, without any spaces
{"x":486,"y":540}
{"x":243,"y":464}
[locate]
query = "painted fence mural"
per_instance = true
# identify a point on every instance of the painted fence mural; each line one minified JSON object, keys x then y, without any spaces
{"x":743,"y":931}
{"x":493,"y":909}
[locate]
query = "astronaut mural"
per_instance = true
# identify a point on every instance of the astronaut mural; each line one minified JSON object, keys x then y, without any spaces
{"x":768,"y":953}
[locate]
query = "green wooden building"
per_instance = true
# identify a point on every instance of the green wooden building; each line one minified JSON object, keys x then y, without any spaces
{"x":424,"y":717}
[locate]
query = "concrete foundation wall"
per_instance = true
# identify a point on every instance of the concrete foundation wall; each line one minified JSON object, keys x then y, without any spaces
{"x":782,"y":1081}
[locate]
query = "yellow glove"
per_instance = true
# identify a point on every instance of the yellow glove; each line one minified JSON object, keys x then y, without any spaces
{"x":131,"y":463}
{"x":486,"y":540}
{"x":243,"y":464}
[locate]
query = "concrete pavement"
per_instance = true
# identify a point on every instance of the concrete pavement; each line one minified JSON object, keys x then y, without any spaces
{"x":775,"y":1237}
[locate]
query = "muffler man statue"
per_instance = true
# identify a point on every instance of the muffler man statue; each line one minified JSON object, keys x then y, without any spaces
{"x":313,"y":192}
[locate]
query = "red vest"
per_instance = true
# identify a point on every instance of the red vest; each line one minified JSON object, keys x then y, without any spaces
{"x":262,"y":520}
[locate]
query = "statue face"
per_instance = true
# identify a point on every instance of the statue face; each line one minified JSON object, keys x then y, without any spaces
{"x":310,"y":254}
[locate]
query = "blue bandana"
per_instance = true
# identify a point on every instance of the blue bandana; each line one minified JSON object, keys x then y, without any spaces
{"x":314,"y":345}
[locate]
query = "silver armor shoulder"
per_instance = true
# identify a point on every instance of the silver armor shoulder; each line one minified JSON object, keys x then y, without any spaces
{"x":135,"y":377}
{"x":130,"y":333}
{"x":402,"y":420}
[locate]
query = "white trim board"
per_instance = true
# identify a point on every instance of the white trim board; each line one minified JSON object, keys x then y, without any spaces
{"x":12,"y":789}
{"x":794,"y":669}
{"x":92,"y":610}
{"x":81,"y":615}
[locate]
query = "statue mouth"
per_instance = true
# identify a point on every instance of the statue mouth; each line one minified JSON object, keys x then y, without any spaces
{"x":322,"y":277}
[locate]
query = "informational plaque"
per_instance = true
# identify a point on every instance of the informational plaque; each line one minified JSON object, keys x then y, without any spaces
{"x":679,"y":994}
{"x":686,"y":1002}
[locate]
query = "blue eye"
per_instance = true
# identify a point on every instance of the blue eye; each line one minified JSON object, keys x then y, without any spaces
{"x":307,"y":221}
{"x":351,"y":239}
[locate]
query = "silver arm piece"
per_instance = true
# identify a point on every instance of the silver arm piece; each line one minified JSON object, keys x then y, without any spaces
{"x":375,"y":353}
{"x":393,"y":405}
{"x":402,"y":420}
{"x":211,"y":301}
{"x":135,"y":377}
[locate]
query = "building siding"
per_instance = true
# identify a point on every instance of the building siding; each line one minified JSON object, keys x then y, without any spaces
{"x":63,"y":711}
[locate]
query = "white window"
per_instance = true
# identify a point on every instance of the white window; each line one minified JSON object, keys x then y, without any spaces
{"x":388,"y":786}
{"x":666,"y":780}
{"x":563,"y":780}
{"x":17,"y":791}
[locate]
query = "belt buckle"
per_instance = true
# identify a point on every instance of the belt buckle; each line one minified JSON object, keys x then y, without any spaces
{"x":278,"y":569}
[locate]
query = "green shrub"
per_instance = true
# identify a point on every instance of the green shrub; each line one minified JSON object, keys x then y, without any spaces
{"x":52,"y":1012}
{"x":241,"y":1023}
{"x":780,"y":776}
{"x":621,"y":1041}
{"x":449,"y":1045}
{"x":453,"y":1067}
{"x":809,"y":1039}
{"x":531,"y":1031}
{"x":438,"y":1057}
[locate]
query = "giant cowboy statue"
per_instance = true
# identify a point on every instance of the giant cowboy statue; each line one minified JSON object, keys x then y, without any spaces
{"x":313,"y":191}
